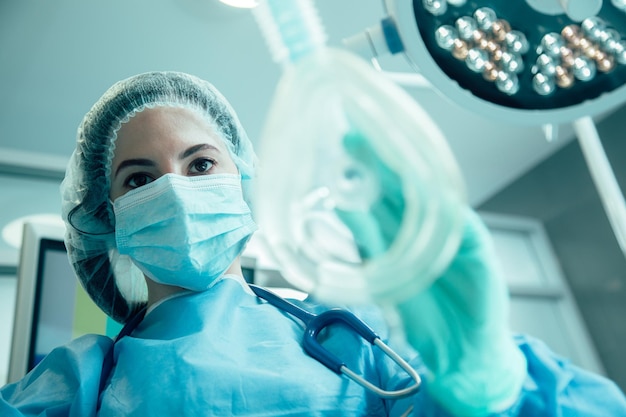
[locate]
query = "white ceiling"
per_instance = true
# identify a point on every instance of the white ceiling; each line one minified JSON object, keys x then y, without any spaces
{"x":59,"y":56}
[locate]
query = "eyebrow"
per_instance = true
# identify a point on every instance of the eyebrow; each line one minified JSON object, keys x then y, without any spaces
{"x":197,"y":148}
{"x":134,"y":162}
{"x":149,"y":163}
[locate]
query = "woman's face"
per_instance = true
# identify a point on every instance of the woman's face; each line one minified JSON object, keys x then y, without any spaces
{"x":166,"y":140}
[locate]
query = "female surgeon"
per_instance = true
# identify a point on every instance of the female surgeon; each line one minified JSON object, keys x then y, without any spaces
{"x":155,"y":204}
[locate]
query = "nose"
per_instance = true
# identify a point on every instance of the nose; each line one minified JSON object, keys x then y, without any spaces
{"x":170,"y":166}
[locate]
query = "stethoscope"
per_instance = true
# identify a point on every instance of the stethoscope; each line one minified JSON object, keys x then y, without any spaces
{"x":314,"y":324}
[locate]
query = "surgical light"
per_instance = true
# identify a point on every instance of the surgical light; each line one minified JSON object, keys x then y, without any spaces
{"x":531,"y":46}
{"x":534,"y":62}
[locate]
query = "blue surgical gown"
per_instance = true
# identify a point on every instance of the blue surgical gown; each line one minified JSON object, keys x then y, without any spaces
{"x":225,"y":352}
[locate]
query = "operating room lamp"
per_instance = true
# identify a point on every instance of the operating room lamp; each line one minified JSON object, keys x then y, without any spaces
{"x":533,"y":62}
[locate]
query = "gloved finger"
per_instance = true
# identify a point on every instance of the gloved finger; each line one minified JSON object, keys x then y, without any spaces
{"x":366,"y":232}
{"x":358,"y":147}
{"x":374,"y":230}
{"x":389,"y":212}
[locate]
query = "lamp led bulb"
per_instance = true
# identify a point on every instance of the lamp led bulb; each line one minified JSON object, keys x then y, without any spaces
{"x":507,"y":83}
{"x":543,"y":84}
{"x":611,"y":40}
{"x":567,"y":56}
{"x":435,"y":7}
{"x":546,"y":64}
{"x":512,"y":62}
{"x":584,"y":69}
{"x":584,"y":43}
{"x":619,"y":50}
{"x":500,"y":28}
{"x":485,"y":17}
{"x":516,"y":42}
{"x":445,"y":36}
{"x":460,"y":49}
{"x":571,"y":33}
{"x":476,"y":59}
{"x":551,"y":44}
{"x":490,"y":71}
{"x":563,"y":77}
{"x":466,"y":26}
{"x":494,"y":49}
{"x":592,"y":27}
{"x":606,"y":63}
{"x":593,"y":52}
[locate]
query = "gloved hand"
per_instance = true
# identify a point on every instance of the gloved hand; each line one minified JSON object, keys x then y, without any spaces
{"x":459,"y":325}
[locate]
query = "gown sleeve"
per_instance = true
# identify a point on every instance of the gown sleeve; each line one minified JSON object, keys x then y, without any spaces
{"x":65,"y":383}
{"x":554,"y":387}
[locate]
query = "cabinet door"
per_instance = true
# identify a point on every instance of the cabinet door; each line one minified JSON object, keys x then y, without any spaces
{"x":8,"y":287}
{"x":541,"y":302}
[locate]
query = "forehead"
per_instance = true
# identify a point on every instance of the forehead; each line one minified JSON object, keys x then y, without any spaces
{"x":163,"y":127}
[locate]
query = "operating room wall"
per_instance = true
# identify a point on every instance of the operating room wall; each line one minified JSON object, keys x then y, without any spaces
{"x":560,"y":192}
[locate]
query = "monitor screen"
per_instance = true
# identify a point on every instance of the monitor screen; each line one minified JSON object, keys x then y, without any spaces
{"x":62,"y":309}
{"x":51,"y":307}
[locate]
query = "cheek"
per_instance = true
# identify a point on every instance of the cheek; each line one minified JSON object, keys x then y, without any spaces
{"x":233,"y":168}
{"x":115,"y":192}
{"x":229,"y":166}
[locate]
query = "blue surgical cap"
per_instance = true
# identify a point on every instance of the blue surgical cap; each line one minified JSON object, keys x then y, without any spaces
{"x":111,"y":279}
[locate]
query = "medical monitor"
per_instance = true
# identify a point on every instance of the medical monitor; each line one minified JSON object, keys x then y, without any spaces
{"x":51,"y":306}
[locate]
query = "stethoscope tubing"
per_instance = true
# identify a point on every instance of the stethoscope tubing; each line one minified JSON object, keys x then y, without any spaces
{"x":314,"y":324}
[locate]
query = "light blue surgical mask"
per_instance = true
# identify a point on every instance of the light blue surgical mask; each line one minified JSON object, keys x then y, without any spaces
{"x":184,"y":231}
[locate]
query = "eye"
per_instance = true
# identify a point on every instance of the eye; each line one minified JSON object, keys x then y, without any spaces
{"x":138,"y":180}
{"x":201,"y":166}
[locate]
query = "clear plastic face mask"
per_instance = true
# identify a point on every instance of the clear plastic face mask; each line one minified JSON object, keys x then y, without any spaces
{"x":360,"y":199}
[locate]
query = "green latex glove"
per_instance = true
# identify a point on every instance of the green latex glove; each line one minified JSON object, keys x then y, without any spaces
{"x":460,"y":327}
{"x":459,"y":324}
